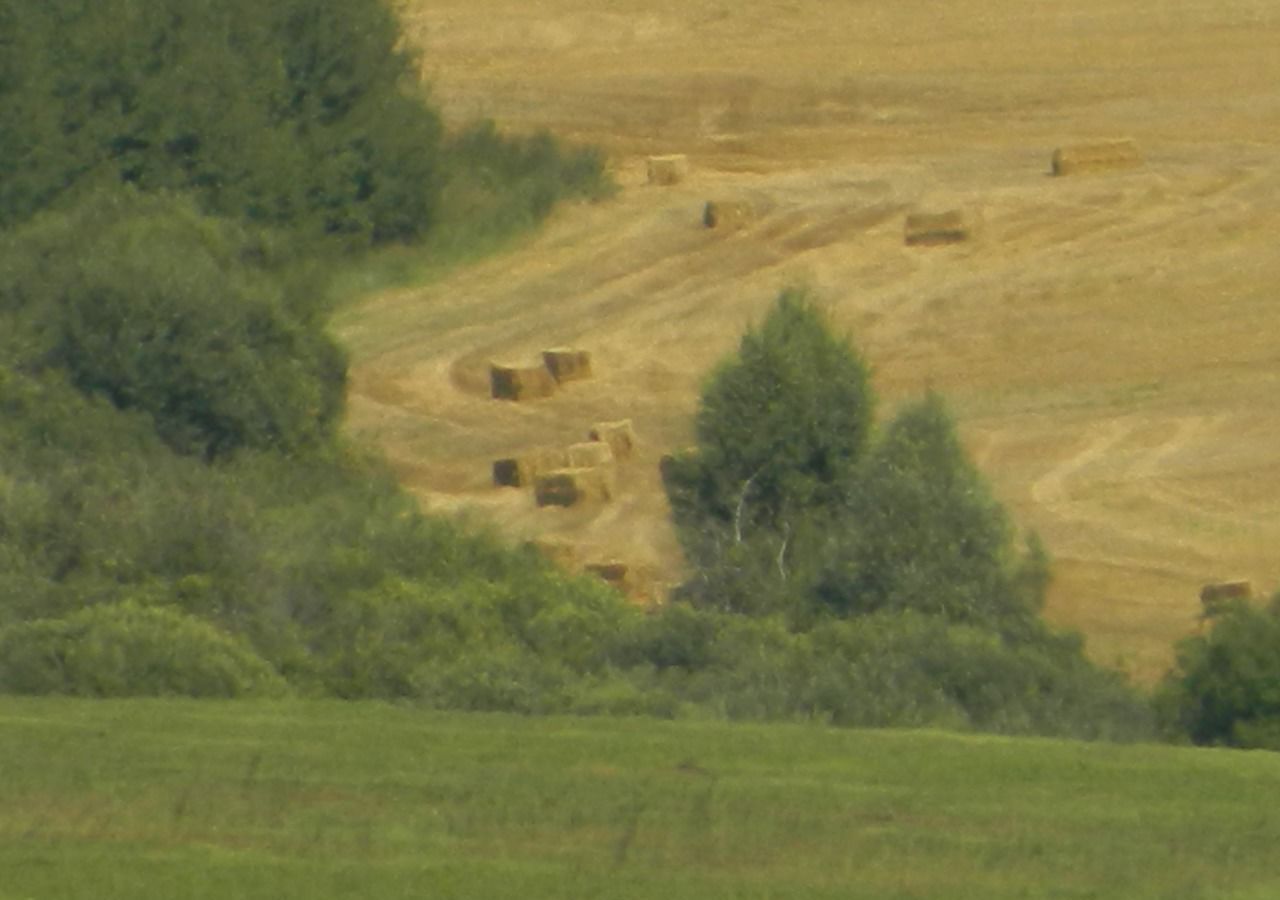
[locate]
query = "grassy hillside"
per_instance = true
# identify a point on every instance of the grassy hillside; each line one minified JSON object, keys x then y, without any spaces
{"x":1106,"y":341}
{"x":186,"y":799}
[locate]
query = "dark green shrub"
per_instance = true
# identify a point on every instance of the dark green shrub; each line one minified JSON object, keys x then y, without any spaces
{"x":496,"y":184}
{"x":149,"y":304}
{"x":299,"y":113}
{"x":502,"y":678}
{"x":1225,"y":685}
{"x":781,"y":430}
{"x":128,"y":650}
{"x":676,"y":636}
{"x":924,"y":533}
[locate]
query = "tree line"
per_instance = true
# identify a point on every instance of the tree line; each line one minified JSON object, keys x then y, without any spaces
{"x":179,"y":515}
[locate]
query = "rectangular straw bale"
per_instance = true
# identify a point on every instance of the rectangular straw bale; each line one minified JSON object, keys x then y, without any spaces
{"x":566,"y":364}
{"x":666,"y":170}
{"x":588,"y":454}
{"x":523,"y":470}
{"x":569,"y":487}
{"x":932,"y":228}
{"x":727,"y":214}
{"x":1214,"y":595}
{"x":612,"y":571}
{"x":520,"y":382}
{"x":1100,"y":156}
{"x":619,"y":435}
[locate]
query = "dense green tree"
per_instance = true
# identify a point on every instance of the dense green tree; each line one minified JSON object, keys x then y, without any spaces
{"x":129,"y":650}
{"x":925,"y":533}
{"x":150,"y":304}
{"x":790,"y":504}
{"x":1225,"y":686}
{"x":781,"y":426}
{"x":304,"y":113}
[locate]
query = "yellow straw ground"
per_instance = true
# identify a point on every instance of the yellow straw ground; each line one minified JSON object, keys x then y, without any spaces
{"x":1107,"y":339}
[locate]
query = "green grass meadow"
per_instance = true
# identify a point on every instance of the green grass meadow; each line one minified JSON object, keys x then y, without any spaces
{"x":188,"y":799}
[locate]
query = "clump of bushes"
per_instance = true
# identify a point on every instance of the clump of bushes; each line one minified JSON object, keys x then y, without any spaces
{"x":303,"y":116}
{"x":141,"y":299}
{"x":880,"y":551}
{"x":130,"y":650}
{"x":1225,"y":686}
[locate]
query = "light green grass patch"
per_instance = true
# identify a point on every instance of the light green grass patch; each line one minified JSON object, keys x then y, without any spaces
{"x":189,"y":799}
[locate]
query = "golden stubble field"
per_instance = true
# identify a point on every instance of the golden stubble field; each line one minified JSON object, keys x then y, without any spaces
{"x":1109,"y":342}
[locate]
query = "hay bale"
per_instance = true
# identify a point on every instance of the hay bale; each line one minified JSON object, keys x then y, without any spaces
{"x":615,"y":573}
{"x":506,"y":472}
{"x":666,"y":170}
{"x":727,"y":214}
{"x":1101,"y":156}
{"x":520,"y":382}
{"x":569,"y":487}
{"x":1213,"y":596}
{"x":619,"y":435}
{"x":926,"y":229}
{"x":523,"y":471}
{"x":589,"y":454}
{"x":565,"y":364}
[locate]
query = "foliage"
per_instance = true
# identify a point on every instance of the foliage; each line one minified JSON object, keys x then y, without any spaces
{"x":298,"y":113}
{"x":878,"y":570}
{"x":781,"y":432}
{"x":780,"y":429}
{"x":1225,"y":685}
{"x":317,"y":561}
{"x":497,"y":184}
{"x":791,"y":504}
{"x":178,"y":515}
{"x":153,"y":306}
{"x":129,"y":650}
{"x":891,"y":668}
{"x":926,"y":534}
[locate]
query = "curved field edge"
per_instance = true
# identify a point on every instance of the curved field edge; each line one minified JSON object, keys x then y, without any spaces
{"x":167,"y":798}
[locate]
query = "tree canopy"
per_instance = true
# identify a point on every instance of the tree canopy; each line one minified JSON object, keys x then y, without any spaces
{"x":792,"y":501}
{"x":781,"y":431}
{"x":298,"y":113}
{"x":146,"y":302}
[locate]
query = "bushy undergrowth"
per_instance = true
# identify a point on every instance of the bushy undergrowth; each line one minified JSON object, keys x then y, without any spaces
{"x":1225,"y":686}
{"x":304,"y":116}
{"x":127,"y":650}
{"x":335,"y":582}
{"x":177,"y":514}
{"x":132,"y":569}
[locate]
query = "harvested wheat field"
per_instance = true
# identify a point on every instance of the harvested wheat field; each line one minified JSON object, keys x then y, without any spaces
{"x":1108,"y":340}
